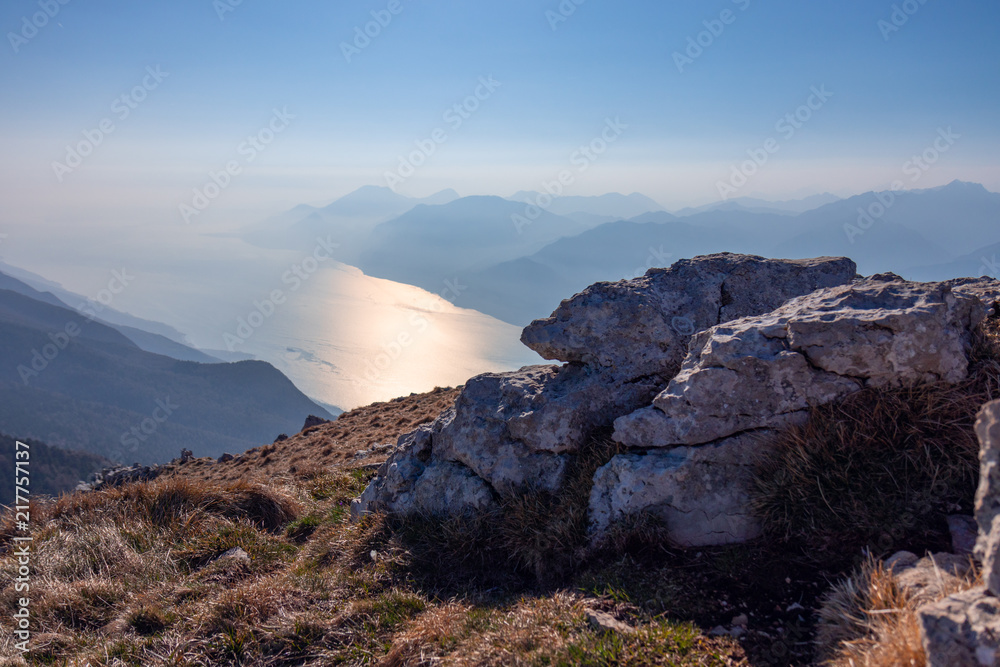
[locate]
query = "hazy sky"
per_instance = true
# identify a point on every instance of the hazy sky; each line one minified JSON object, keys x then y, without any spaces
{"x":224,"y":67}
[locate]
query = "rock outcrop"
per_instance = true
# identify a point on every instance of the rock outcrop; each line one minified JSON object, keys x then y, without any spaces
{"x":696,"y":367}
{"x":700,"y":493}
{"x":622,"y":343}
{"x":764,"y":372}
{"x":964,"y":628}
{"x":988,"y":495}
{"x":761,"y":372}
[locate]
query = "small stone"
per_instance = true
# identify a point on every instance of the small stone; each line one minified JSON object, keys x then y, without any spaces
{"x":741,"y":621}
{"x":605,"y":622}
{"x":964,"y":532}
{"x":313,"y":420}
{"x":899,"y":561}
{"x":225,"y":458}
{"x":235,"y":554}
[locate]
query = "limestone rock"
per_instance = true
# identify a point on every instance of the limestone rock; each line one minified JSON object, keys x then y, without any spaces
{"x":642,"y":326}
{"x":410,"y":479}
{"x":986,"y":289}
{"x":700,"y":493}
{"x":988,"y":494}
{"x":962,"y":629}
{"x":515,"y":429}
{"x":236,"y":555}
{"x":605,"y":622}
{"x":900,"y":561}
{"x":759,"y":372}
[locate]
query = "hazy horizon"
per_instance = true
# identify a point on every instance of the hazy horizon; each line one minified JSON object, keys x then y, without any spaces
{"x":555,"y":74}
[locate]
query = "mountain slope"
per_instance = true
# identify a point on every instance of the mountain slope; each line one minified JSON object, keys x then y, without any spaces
{"x":612,"y":204}
{"x":791,"y":206}
{"x":52,"y":470}
{"x":431,"y":244}
{"x":934,"y":225}
{"x":526,"y":288}
{"x":347,"y":220}
{"x":143,"y":338}
{"x":77,"y":302}
{"x":982,"y":262}
{"x":83,"y":385}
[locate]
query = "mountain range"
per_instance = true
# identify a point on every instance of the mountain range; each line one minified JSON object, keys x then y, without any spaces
{"x":511,"y":258}
{"x":517,"y":268}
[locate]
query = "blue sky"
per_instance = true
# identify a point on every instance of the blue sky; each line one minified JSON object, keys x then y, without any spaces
{"x":606,"y":60}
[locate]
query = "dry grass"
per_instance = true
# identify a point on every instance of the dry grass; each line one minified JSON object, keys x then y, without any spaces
{"x":132,"y":576}
{"x":880,"y":469}
{"x":171,"y":502}
{"x":549,"y":630}
{"x":869,"y":620}
{"x":326,"y":445}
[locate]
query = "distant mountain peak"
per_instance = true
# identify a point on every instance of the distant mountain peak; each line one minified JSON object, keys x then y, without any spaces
{"x":961,"y":186}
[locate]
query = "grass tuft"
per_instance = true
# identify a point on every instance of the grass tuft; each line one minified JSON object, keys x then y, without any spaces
{"x":881,"y":469}
{"x":869,"y":619}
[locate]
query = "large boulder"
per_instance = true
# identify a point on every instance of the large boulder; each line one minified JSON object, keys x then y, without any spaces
{"x":761,"y":373}
{"x":988,"y":495}
{"x":700,"y":494}
{"x":642,"y":326}
{"x":623,"y":342}
{"x":769,"y":370}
